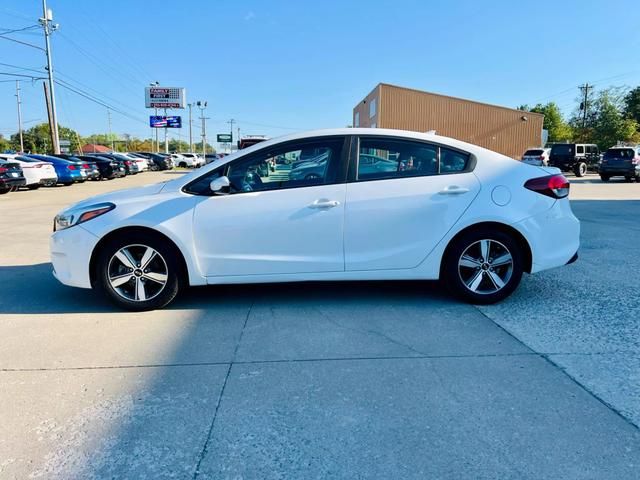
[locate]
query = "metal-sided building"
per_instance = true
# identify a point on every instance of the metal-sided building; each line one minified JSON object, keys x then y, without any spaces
{"x":504,"y":130}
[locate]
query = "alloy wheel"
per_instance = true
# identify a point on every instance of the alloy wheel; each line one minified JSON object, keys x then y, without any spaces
{"x":485,"y":266}
{"x":137,"y":273}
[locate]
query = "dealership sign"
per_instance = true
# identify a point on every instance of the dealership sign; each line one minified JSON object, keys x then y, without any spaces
{"x":224,"y":138}
{"x":164,"y":97}
{"x":160,"y":121}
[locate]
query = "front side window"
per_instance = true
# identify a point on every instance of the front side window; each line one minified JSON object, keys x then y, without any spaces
{"x":297,"y":165}
{"x":383,"y":158}
{"x":580,"y":149}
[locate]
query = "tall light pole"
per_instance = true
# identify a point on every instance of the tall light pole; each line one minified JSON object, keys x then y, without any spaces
{"x":49,"y":28}
{"x":202,"y":106}
{"x":231,"y":122}
{"x":19,"y":116}
{"x":190,"y":125}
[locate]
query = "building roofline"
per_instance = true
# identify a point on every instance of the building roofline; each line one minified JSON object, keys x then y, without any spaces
{"x":383,"y":84}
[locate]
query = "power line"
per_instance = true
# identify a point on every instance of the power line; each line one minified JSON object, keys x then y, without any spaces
{"x":6,"y":31}
{"x":21,"y":68}
{"x":21,"y":42}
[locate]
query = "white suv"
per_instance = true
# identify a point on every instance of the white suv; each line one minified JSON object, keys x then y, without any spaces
{"x":536,"y":156}
{"x":192,"y":160}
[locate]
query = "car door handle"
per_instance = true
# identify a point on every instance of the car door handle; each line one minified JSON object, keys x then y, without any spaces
{"x":453,"y":190}
{"x":319,"y":204}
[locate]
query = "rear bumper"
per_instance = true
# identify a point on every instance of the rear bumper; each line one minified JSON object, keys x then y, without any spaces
{"x":12,"y":182}
{"x":620,"y":170}
{"x":554,"y":236}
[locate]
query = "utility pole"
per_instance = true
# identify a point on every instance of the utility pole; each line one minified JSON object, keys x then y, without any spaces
{"x":49,"y":28}
{"x":202,"y":106}
{"x":47,"y":100}
{"x":19,"y":116}
{"x":110,"y":134}
{"x":231,"y":122}
{"x":190,"y":125}
{"x":584,"y":106}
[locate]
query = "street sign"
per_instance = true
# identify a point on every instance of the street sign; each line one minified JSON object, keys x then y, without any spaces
{"x":164,"y":97}
{"x":160,"y":121}
{"x":224,"y":138}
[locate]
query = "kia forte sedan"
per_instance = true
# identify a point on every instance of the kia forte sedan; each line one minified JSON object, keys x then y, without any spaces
{"x":385,"y":205}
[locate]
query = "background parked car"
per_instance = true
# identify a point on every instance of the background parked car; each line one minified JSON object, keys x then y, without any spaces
{"x":192,"y":160}
{"x":87,"y":164}
{"x":130,"y":166}
{"x":536,"y":156}
{"x":620,"y":162}
{"x":68,"y":172}
{"x":108,"y":168}
{"x":158,"y":161}
{"x":11,"y":177}
{"x":36,"y":173}
{"x":574,"y":157}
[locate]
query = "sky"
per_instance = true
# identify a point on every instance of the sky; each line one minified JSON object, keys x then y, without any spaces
{"x":282,"y":66}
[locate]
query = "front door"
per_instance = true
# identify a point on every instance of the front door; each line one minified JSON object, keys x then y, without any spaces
{"x":284,"y":213}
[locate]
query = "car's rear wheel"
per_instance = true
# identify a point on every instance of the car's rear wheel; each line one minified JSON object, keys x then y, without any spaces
{"x":33,"y":186}
{"x":138,"y":272}
{"x":4,"y":190}
{"x":580,"y":169}
{"x":483,"y":266}
{"x":605,"y":178}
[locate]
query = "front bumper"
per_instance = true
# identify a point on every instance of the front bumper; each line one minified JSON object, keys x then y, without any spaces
{"x":71,"y":255}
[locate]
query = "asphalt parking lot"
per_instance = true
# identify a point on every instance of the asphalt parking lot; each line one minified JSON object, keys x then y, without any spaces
{"x":324,"y":380}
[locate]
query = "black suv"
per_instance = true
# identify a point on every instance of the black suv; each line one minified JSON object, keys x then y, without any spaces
{"x":574,"y":157}
{"x":622,"y":162}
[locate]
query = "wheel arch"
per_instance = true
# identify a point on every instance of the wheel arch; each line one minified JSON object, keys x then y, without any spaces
{"x":502,"y":227}
{"x":184,"y":270}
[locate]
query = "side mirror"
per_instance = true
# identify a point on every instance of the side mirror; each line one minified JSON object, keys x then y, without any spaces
{"x":220,"y":186}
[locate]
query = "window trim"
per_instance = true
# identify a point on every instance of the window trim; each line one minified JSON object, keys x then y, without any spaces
{"x":354,"y":160}
{"x":341,"y":173}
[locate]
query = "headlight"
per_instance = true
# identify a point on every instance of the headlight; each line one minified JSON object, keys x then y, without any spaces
{"x":77,"y":215}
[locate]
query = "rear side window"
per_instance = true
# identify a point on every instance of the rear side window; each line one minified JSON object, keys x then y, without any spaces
{"x":562,"y":149}
{"x":533,"y":152}
{"x":390,"y":158}
{"x":619,"y":153}
{"x":580,"y":149}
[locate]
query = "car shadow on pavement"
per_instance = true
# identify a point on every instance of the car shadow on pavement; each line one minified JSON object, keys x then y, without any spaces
{"x":32,"y":289}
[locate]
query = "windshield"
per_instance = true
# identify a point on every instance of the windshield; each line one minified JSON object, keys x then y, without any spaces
{"x":562,"y":149}
{"x":622,"y":153}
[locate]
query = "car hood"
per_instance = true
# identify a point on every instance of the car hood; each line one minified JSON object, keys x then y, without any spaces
{"x":123,"y":195}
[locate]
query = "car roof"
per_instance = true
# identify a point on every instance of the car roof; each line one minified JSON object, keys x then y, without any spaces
{"x":406,"y":134}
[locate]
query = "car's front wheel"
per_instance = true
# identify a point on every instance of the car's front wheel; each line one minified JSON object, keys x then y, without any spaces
{"x":483,"y":266}
{"x":138,"y":272}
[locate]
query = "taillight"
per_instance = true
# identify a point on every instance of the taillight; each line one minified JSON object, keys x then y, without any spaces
{"x":85,"y":165}
{"x":3,"y":170}
{"x":541,"y":157}
{"x":636,"y":161}
{"x":71,"y":167}
{"x":554,"y":186}
{"x":39,"y":165}
{"x":127,"y":162}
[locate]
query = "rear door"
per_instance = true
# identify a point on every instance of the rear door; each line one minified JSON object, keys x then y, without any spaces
{"x":402,"y":199}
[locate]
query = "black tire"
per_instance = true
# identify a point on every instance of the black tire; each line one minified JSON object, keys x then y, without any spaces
{"x":169,"y":256}
{"x":580,"y":169}
{"x":182,"y":165}
{"x":34,"y":186}
{"x":628,"y":179}
{"x":605,"y":178}
{"x":452,"y":272}
{"x":4,"y":190}
{"x":67,"y":184}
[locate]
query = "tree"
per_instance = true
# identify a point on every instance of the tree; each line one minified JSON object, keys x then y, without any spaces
{"x":559,"y":130}
{"x":632,"y":105}
{"x":4,"y":144}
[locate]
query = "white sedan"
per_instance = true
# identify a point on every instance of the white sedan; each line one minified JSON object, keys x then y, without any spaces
{"x":428,"y":207}
{"x":36,"y":173}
